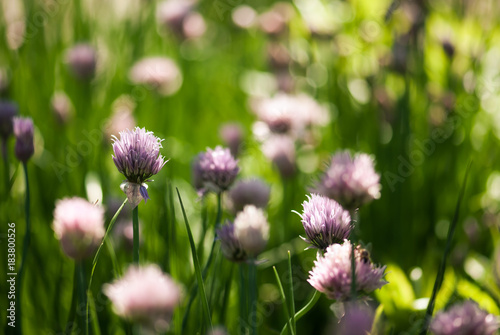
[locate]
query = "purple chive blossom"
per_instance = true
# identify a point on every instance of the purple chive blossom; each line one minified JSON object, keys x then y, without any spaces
{"x":357,"y":320}
{"x":249,"y":192}
{"x":230,"y":246}
{"x":324,"y":221}
{"x":23,"y":130}
{"x":82,"y":60}
{"x":79,"y":226}
{"x":137,"y":157}
{"x":331,"y":273}
{"x":215,"y":170}
{"x":7,"y":112}
{"x":351,"y":181}
{"x":465,"y":319}
{"x":145,"y":295}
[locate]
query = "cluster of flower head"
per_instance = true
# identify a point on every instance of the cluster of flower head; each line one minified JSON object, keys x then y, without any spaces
{"x":247,"y":237}
{"x":465,"y":318}
{"x":215,"y":170}
{"x":145,"y":295}
{"x":332,"y":274}
{"x":351,"y":181}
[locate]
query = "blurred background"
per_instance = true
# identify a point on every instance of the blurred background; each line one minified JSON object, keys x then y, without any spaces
{"x":414,"y":83}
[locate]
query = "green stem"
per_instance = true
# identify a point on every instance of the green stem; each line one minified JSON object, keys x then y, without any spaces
{"x":96,"y":257}
{"x":135,"y":223}
{"x":26,"y":244}
{"x":304,"y":310}
{"x":442,"y":267}
{"x":81,"y":294}
{"x":252,"y":278}
{"x":243,"y":298}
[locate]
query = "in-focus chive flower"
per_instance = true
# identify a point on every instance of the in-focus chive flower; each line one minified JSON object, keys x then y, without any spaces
{"x":79,"y":225}
{"x":332,"y":275}
{"x":137,"y":157}
{"x":82,"y":60}
{"x":7,"y":112}
{"x":351,"y":181}
{"x":357,"y":320}
{"x":230,"y":245}
{"x":214,"y":170}
{"x":145,"y":295}
{"x":249,"y":192}
{"x":325,"y":221}
{"x":23,"y":130}
{"x":251,"y":229}
{"x":465,"y":319}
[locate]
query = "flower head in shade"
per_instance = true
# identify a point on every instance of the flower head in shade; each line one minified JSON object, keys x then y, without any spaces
{"x":137,"y":157}
{"x":23,"y":130}
{"x":158,"y":73}
{"x":81,"y":60}
{"x":357,"y":320}
{"x":7,"y":112}
{"x":324,"y":221}
{"x":465,"y":319}
{"x":145,"y":295}
{"x":252,"y":230}
{"x":249,"y":192}
{"x":79,"y":225}
{"x":232,"y":135}
{"x":230,"y":245}
{"x":61,"y":107}
{"x":215,"y":170}
{"x":280,"y":149}
{"x":351,"y":181}
{"x":331,"y":273}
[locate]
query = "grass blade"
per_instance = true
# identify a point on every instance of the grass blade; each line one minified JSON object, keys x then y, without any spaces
{"x":285,"y":307}
{"x":442,"y":267}
{"x":197,"y":269}
{"x":290,"y":293}
{"x":303,"y":311}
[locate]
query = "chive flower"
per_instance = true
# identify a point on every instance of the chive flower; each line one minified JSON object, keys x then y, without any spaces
{"x":332,"y":275}
{"x":350,"y":180}
{"x":325,"y":221}
{"x":23,"y":130}
{"x":230,"y":245}
{"x":215,"y":170}
{"x":137,"y":157}
{"x":249,"y":192}
{"x":252,"y":230}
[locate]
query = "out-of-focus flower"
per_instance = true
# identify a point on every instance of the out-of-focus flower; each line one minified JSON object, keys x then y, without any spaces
{"x":351,"y":181}
{"x":244,"y":16}
{"x":157,"y":73}
{"x":82,"y":60}
{"x":145,"y":295}
{"x":232,"y":135}
{"x":467,"y":319}
{"x":249,"y":192}
{"x":61,"y":107}
{"x":7,"y":112}
{"x":122,"y":117}
{"x":332,"y":275}
{"x":325,"y":221}
{"x":230,"y":245}
{"x":252,"y":230}
{"x":215,"y":170}
{"x":278,"y":55}
{"x":180,"y":17}
{"x":79,"y":225}
{"x":280,"y":150}
{"x":274,"y":21}
{"x":23,"y":130}
{"x":137,"y":157}
{"x":357,"y":320}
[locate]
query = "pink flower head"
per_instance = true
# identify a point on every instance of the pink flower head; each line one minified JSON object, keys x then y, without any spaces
{"x":82,"y":60}
{"x":215,"y":170}
{"x":79,"y":225}
{"x":252,"y":230}
{"x":332,"y":276}
{"x":351,"y":181}
{"x":158,"y":73}
{"x":325,"y":221}
{"x":145,"y":295}
{"x":465,"y":319}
